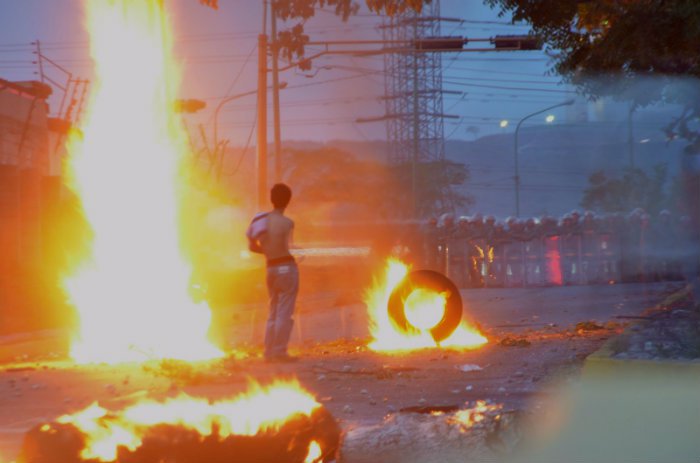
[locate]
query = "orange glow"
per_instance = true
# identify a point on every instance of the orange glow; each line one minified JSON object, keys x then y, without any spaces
{"x":261,"y":409}
{"x":471,"y":416}
{"x":131,"y":294}
{"x":423,"y":308}
{"x":314,"y":454}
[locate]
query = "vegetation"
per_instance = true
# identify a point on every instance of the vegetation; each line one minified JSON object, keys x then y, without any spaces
{"x":367,"y":189}
{"x":635,"y":188}
{"x":294,"y":39}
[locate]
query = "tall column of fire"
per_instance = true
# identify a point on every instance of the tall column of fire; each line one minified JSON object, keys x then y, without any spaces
{"x":126,"y":166}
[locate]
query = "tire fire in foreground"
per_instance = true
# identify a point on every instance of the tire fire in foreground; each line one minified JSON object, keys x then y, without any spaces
{"x":276,"y":423}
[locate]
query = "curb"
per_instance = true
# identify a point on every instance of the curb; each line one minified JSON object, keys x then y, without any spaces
{"x":602,"y":363}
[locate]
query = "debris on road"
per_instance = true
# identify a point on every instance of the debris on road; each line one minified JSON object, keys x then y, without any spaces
{"x":509,"y":341}
{"x":480,"y":432}
{"x":467,"y":367}
{"x":589,"y":325}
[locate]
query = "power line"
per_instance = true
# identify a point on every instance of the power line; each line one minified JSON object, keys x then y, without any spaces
{"x":492,"y":71}
{"x":524,"y":89}
{"x":515,"y":81}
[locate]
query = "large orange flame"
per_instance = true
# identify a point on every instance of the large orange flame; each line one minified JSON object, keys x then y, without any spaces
{"x":127,"y":169}
{"x":261,"y":409}
{"x":423,"y":309}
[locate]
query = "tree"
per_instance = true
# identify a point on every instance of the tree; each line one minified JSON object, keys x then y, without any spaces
{"x":330,"y":177}
{"x":630,"y":49}
{"x":292,"y":41}
{"x":434,"y":179}
{"x":635,"y":188}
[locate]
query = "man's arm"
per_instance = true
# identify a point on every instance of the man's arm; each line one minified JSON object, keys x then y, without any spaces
{"x":290,"y":237}
{"x":254,"y":246}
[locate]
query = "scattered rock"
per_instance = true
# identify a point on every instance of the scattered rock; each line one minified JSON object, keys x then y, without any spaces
{"x":514,"y":342}
{"x":469,"y":387}
{"x":469,"y":367}
{"x":364,"y":392}
{"x":347,"y":409}
{"x":321,"y":377}
{"x":346,"y":369}
{"x":422,"y":401}
{"x":589,"y":325}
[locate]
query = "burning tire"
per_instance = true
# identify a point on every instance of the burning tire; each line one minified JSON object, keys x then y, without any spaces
{"x":431,"y":281}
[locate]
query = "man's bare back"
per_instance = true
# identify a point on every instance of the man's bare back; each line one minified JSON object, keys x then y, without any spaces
{"x":275,"y":243}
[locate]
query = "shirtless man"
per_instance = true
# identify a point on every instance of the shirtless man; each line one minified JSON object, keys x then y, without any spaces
{"x":270,"y":233}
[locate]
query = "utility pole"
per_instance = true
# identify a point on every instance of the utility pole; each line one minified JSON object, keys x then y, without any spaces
{"x":39,"y":59}
{"x":276,"y":92}
{"x":261,"y":158}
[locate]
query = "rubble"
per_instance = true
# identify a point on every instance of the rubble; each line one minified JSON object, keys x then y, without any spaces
{"x":663,"y":334}
{"x":589,"y":325}
{"x":514,"y":342}
{"x":438,"y":434}
{"x":467,"y":367}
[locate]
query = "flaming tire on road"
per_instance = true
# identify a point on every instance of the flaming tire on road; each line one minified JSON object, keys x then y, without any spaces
{"x":431,"y":281}
{"x":423,"y":312}
{"x":278,"y":423}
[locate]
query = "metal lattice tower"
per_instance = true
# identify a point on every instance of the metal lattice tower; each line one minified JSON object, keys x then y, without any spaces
{"x":413,"y":88}
{"x":413,"y":92}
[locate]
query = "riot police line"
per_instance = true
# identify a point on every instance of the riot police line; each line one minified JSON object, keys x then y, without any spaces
{"x":577,"y":249}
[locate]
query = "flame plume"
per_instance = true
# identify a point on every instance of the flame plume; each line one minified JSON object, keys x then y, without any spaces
{"x":126,"y":167}
{"x":260,"y":410}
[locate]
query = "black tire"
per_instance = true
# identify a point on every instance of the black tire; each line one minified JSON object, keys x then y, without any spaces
{"x":435,"y":281}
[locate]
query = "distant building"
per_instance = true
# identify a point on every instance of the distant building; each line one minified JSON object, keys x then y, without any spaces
{"x":24,"y":163}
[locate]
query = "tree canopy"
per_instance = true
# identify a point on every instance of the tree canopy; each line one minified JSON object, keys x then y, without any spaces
{"x":634,"y":188}
{"x":371,"y":188}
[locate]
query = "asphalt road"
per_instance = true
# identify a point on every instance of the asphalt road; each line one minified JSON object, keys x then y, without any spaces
{"x":357,"y":385}
{"x":326,"y":316}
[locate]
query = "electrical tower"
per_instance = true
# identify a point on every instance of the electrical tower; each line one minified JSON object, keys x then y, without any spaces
{"x":413,"y":94}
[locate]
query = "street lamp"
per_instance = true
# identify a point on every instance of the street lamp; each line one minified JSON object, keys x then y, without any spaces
{"x":504,"y":123}
{"x":516,"y":177}
{"x":228,"y":100}
{"x":549,"y":119}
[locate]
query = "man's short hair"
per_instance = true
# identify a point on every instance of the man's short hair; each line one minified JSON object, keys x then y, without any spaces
{"x":280,"y":195}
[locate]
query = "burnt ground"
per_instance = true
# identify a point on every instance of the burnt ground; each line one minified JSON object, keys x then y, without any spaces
{"x":534,"y":343}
